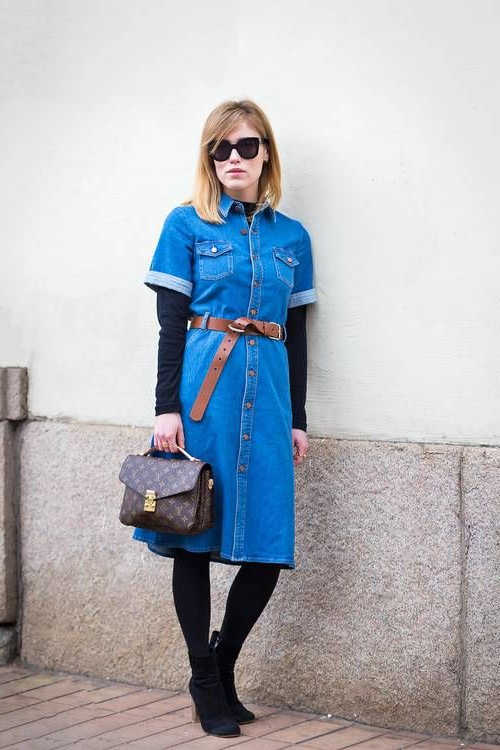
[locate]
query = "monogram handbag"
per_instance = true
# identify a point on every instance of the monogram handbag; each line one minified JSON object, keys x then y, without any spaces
{"x":167,"y":494}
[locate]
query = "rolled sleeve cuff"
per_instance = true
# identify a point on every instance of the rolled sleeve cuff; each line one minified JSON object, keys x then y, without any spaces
{"x":158,"y":278}
{"x":302,"y":298}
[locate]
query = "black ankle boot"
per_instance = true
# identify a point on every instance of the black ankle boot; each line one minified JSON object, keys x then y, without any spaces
{"x":226,"y":655}
{"x":208,"y":700}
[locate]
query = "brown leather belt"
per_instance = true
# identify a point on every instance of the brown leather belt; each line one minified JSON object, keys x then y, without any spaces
{"x":234,"y":327}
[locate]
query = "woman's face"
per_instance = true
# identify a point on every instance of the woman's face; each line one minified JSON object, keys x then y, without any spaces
{"x":244,"y":183}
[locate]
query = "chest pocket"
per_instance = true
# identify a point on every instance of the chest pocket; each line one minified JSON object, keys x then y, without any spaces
{"x":215,"y":258}
{"x":284,"y":264}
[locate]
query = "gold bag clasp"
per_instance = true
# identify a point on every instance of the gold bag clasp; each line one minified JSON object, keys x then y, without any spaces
{"x":150,"y":501}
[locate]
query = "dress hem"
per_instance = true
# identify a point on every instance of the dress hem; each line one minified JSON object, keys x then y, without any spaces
{"x":164,"y":551}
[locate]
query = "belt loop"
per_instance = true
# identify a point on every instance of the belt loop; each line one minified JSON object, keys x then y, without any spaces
{"x":286,"y":333}
{"x":203,"y":323}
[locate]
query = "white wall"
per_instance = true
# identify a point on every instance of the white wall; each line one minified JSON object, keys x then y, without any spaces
{"x":386,"y":114}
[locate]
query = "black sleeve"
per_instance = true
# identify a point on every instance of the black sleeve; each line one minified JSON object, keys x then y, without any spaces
{"x":173,"y":311}
{"x":296,"y":344}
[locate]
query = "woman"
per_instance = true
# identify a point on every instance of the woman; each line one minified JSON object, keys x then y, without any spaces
{"x":225,"y":258}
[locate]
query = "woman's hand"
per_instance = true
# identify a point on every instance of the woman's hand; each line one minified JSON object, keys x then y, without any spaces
{"x":168,"y":432}
{"x":299,"y":445}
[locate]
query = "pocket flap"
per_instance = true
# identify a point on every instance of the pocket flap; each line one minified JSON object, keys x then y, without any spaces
{"x":213,"y":249}
{"x":286,"y":256}
{"x":164,"y":475}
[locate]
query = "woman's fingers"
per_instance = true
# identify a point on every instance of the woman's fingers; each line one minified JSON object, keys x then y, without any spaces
{"x":169,"y":432}
{"x":180,"y":434}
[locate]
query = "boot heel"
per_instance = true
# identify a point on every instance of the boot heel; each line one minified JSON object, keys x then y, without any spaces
{"x":194,"y":711}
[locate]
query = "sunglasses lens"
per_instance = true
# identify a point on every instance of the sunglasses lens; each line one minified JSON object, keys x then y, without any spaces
{"x":246,"y":147}
{"x":223,"y":151}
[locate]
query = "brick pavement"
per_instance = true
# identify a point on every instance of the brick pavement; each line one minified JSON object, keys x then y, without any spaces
{"x":45,"y":710}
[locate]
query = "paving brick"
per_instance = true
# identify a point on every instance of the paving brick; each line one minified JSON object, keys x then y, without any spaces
{"x":211,"y":742}
{"x":303,"y":731}
{"x":128,"y":733}
{"x":169,"y":738}
{"x":392,"y":741}
{"x":263,"y":743}
{"x":40,"y":727}
{"x":174,"y":703}
{"x":57,"y":689}
{"x":342,"y":738}
{"x":131,"y":700}
{"x":110,"y":691}
{"x":6,"y":674}
{"x":13,"y":702}
{"x":26,"y":683}
{"x":277,"y":721}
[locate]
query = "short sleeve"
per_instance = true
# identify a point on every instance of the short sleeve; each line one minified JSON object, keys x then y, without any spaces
{"x":304,"y":290}
{"x":172,"y":261}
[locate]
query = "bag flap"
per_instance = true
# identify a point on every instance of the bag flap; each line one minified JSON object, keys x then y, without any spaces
{"x":166,"y":476}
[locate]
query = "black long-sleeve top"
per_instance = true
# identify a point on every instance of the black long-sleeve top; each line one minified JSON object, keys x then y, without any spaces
{"x":173,"y":312}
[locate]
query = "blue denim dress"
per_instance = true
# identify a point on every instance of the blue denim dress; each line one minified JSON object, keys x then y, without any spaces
{"x":229,"y":270}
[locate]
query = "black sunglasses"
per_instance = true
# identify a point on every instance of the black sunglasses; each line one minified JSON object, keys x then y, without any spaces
{"x":248,"y":148}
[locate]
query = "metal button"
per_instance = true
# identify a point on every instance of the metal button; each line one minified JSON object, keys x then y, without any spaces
{"x":242,"y":467}
{"x":289,"y":260}
{"x":246,"y":436}
{"x":248,"y":404}
{"x":244,"y":231}
{"x":251,"y":341}
{"x":251,"y":372}
{"x":214,"y":249}
{"x":253,"y":310}
{"x":256,"y":283}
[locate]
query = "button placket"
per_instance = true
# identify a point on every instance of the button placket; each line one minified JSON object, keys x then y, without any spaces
{"x":246,"y":428}
{"x":247,"y":410}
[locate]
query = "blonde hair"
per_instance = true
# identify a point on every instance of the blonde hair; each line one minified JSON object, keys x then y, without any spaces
{"x":207,"y":186}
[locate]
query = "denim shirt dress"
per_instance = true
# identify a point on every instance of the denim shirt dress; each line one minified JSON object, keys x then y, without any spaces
{"x":230,"y":270}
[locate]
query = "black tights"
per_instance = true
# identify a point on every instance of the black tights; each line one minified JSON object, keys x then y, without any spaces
{"x":250,"y":591}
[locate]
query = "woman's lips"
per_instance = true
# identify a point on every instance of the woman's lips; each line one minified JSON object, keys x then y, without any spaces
{"x":236,"y":171}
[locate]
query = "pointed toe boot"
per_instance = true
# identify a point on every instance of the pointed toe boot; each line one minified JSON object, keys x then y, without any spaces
{"x":226,"y":655}
{"x":208,"y":700}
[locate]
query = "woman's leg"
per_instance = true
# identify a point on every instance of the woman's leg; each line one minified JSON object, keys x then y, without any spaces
{"x":191,"y":591}
{"x":250,"y":591}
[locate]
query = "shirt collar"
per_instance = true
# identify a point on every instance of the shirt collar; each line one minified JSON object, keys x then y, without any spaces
{"x":226,"y":201}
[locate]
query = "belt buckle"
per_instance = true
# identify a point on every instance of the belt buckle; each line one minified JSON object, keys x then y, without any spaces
{"x":275,"y":338}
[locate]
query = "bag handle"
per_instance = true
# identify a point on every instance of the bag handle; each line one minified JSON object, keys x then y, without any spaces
{"x":188,"y":455}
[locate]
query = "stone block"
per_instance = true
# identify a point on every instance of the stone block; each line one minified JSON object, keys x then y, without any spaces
{"x":8,"y":643}
{"x":481,"y":545}
{"x":13,"y":393}
{"x":8,"y":533}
